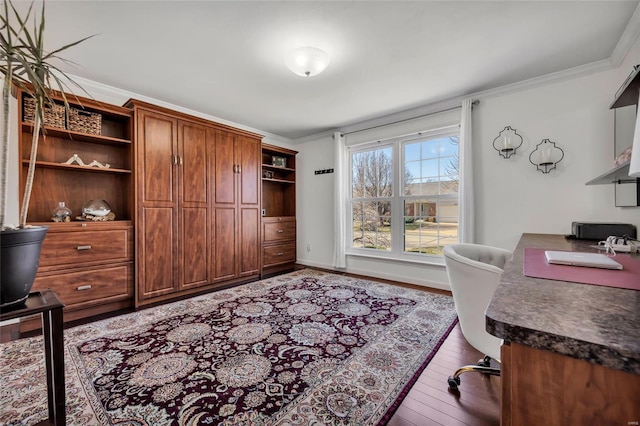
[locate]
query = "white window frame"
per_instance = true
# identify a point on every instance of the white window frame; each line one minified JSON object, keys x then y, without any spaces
{"x":397,"y":199}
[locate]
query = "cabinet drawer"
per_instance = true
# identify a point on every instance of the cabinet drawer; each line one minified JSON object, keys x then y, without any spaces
{"x":278,"y":231}
{"x":281,"y":253}
{"x":90,"y":285}
{"x":81,"y":247}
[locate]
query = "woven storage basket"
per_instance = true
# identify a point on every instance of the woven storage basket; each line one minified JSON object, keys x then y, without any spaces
{"x":53,"y":114}
{"x":84,"y":121}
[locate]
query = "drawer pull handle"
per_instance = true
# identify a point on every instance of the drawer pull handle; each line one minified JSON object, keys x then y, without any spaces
{"x":280,"y":231}
{"x":87,"y":247}
{"x":280,"y":254}
{"x":84,"y":287}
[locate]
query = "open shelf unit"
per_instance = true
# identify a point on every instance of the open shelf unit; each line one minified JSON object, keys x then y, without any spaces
{"x":627,"y":94}
{"x":278,"y":183}
{"x":55,"y":181}
{"x":618,"y":174}
{"x":278,"y":209}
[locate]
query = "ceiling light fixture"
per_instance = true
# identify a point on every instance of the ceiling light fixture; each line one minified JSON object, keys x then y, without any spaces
{"x":307,"y":61}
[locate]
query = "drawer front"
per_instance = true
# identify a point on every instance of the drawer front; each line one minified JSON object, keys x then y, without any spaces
{"x":278,"y":231}
{"x":89,"y":286}
{"x":281,"y":253}
{"x":64,"y":248}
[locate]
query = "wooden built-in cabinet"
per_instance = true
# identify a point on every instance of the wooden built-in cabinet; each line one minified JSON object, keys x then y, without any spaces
{"x":541,"y":387}
{"x":88,"y":264}
{"x":278,"y":209}
{"x":236,"y":206}
{"x":172,"y":220}
{"x":198,"y":204}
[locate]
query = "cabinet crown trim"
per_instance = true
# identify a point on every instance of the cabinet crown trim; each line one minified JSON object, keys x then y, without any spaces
{"x":138,"y":104}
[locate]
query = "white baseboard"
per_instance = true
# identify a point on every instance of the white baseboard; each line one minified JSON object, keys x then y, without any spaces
{"x":381,"y":275}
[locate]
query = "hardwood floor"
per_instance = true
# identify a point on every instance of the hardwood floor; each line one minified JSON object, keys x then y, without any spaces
{"x":429,"y":402}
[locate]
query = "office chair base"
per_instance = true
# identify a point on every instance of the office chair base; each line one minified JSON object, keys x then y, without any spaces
{"x":485,"y":362}
{"x":482,"y":367}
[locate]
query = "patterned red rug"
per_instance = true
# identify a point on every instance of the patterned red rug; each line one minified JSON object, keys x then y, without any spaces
{"x":298,"y":349}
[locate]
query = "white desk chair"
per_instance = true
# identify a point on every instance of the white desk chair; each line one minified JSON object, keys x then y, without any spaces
{"x":474,"y":273}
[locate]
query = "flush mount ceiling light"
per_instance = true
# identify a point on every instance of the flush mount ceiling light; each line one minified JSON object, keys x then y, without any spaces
{"x":307,"y":61}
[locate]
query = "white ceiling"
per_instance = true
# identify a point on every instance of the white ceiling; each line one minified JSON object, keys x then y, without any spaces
{"x":226,"y":59}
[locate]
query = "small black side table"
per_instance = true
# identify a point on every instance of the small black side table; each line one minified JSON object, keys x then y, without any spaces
{"x":46,"y":302}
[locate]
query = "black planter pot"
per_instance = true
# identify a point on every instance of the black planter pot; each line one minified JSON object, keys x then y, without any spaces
{"x":20,"y":257}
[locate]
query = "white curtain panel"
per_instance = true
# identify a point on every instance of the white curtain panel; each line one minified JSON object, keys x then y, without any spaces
{"x":340,"y":208}
{"x":466,"y":204}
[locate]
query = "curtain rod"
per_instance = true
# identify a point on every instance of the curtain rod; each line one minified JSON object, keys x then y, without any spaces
{"x":476,"y":102}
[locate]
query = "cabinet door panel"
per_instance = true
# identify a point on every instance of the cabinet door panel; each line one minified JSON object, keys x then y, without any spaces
{"x":224,"y":243}
{"x":193,"y":162}
{"x":156,"y":148}
{"x":249,"y":241}
{"x":249,"y":157}
{"x":224,"y":172}
{"x":158,"y":253}
{"x":195,"y":250}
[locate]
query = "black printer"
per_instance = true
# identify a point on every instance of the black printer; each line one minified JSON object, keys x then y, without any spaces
{"x":601,"y":231}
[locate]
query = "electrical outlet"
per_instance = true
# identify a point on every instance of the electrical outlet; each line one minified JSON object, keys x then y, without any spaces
{"x":308,"y":247}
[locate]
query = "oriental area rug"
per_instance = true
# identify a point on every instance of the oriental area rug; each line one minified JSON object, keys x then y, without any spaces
{"x":305,"y":348}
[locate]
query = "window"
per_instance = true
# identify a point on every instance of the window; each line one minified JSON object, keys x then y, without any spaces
{"x":430,"y":197}
{"x":404,"y":194}
{"x":371,"y":195}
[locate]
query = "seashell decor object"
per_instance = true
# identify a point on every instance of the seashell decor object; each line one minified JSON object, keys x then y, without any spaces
{"x":96,"y":208}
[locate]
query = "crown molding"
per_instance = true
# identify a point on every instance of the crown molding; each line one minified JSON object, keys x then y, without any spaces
{"x":555,"y":77}
{"x":119,"y":96}
{"x":630,"y":35}
{"x":531,"y":83}
{"x":405,"y":115}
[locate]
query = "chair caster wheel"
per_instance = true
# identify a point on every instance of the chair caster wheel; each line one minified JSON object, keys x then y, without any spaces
{"x":485,"y":362}
{"x":453,"y":382}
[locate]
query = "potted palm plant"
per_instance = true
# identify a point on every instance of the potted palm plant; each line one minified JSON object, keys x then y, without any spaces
{"x":25,"y":64}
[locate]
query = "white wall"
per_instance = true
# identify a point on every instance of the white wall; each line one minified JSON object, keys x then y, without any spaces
{"x":13,"y":204}
{"x":314,"y":203}
{"x":511,"y":196}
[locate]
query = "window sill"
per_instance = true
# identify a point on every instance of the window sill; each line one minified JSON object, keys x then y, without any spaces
{"x":436,"y":261}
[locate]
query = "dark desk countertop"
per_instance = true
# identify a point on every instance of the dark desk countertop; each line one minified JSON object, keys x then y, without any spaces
{"x":595,"y":323}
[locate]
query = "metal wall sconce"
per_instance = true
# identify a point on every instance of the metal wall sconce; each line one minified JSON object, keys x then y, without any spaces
{"x":507,"y":142}
{"x":546,"y":156}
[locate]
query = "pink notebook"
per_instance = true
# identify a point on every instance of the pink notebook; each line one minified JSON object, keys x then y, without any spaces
{"x":535,"y":265}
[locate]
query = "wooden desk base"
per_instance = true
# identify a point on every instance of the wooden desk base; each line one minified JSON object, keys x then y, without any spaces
{"x":546,"y":388}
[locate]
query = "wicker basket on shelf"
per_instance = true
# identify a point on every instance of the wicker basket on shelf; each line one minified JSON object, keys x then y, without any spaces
{"x":53,"y":114}
{"x":84,"y":121}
